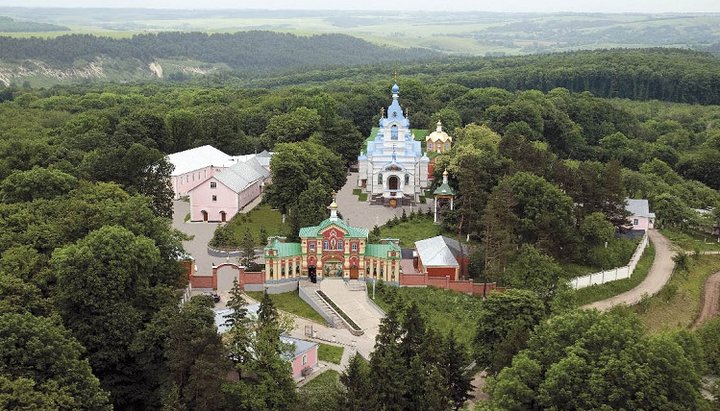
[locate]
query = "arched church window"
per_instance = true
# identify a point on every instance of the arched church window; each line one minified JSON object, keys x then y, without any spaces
{"x":394,"y":133}
{"x":429,"y":146}
{"x":340,"y":245}
{"x":407,"y":178}
{"x":326,"y":245}
{"x":380,"y":178}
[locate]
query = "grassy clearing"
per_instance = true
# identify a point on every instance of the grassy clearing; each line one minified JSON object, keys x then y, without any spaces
{"x":690,"y":240}
{"x":410,"y":231}
{"x":330,"y":353}
{"x":325,"y":381}
{"x":677,"y":305}
{"x":600,"y":292}
{"x":362,"y":197}
{"x":443,"y":310}
{"x":292,"y":303}
{"x":357,"y":191}
{"x":261,"y":217}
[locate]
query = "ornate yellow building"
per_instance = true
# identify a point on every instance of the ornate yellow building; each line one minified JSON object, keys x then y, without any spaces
{"x":438,"y":141}
{"x":332,"y":248}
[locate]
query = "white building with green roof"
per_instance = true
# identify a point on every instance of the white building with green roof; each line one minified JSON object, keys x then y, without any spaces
{"x":393,"y":170}
{"x":332,"y":248}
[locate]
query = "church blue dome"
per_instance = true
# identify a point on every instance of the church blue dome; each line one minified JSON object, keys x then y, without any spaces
{"x":396,"y":89}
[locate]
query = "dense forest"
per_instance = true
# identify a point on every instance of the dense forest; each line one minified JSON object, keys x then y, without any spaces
{"x":9,"y":25}
{"x":88,"y":269}
{"x":661,"y":74}
{"x":253,"y":50}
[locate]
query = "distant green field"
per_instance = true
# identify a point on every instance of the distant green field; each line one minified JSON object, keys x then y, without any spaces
{"x":474,"y":33}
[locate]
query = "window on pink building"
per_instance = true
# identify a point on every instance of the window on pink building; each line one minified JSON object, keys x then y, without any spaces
{"x":213,"y":184}
{"x":214,"y":198}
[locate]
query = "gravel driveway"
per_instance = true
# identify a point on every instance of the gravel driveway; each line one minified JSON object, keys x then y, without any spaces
{"x":659,"y":274}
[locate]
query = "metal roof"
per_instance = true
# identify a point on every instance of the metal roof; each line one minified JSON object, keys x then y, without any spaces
{"x":197,"y":158}
{"x":284,"y":249}
{"x":352,"y":232}
{"x":300,"y":347}
{"x":381,"y":250}
{"x":205,"y":156}
{"x":638,"y":208}
{"x":252,"y":310}
{"x":242,"y":174}
{"x":444,"y":189}
{"x":439,"y":251}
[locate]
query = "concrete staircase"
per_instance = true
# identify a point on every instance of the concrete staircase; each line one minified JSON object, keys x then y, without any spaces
{"x":356,"y":285}
{"x":327,"y":312}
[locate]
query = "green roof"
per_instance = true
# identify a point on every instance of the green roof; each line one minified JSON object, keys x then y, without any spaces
{"x":444,"y":189}
{"x":314,"y":231}
{"x":381,"y":250}
{"x":284,"y":249}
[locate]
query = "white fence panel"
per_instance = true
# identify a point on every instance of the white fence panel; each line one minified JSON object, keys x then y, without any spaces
{"x":618,"y":273}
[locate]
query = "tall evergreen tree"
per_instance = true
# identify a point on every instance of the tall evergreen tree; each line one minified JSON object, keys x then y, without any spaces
{"x":273,"y":376}
{"x":356,"y":379}
{"x":387,"y":364}
{"x":453,"y":369}
{"x":239,"y":338}
{"x":247,"y":248}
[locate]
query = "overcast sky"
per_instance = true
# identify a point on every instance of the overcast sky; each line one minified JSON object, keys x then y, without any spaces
{"x":615,"y":6}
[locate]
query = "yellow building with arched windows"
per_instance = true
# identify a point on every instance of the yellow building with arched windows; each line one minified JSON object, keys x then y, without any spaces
{"x":438,"y":141}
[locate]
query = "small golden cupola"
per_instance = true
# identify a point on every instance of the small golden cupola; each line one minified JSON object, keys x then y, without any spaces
{"x":438,"y":141}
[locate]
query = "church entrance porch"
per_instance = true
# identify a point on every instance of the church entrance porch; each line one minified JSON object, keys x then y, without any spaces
{"x":354,"y":273}
{"x":333,"y":269}
{"x":393,"y":183}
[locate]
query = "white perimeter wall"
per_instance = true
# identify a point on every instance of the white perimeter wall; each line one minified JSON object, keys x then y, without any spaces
{"x":613,"y":274}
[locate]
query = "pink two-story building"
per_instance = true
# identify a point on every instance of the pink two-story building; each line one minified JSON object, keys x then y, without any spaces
{"x":219,"y":197}
{"x":218,"y":185}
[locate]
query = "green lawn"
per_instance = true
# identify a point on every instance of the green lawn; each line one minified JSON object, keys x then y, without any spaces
{"x":677,"y":305}
{"x":291,"y":303}
{"x":326,"y":380}
{"x":357,"y":191}
{"x":594,"y":293}
{"x":408,"y":232}
{"x":330,"y":353}
{"x":690,"y":241}
{"x":261,"y":216}
{"x":443,"y":310}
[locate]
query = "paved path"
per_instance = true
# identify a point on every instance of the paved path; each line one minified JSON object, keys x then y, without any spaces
{"x":710,"y":300}
{"x":361,"y":213}
{"x":355,"y":304}
{"x":201,"y":234}
{"x":659,"y":274}
{"x":362,"y":344}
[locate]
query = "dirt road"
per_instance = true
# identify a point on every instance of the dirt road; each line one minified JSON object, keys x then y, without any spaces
{"x":710,"y":300}
{"x":657,"y":277}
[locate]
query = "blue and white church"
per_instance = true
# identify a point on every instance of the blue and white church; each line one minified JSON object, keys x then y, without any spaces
{"x":393,"y":170}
